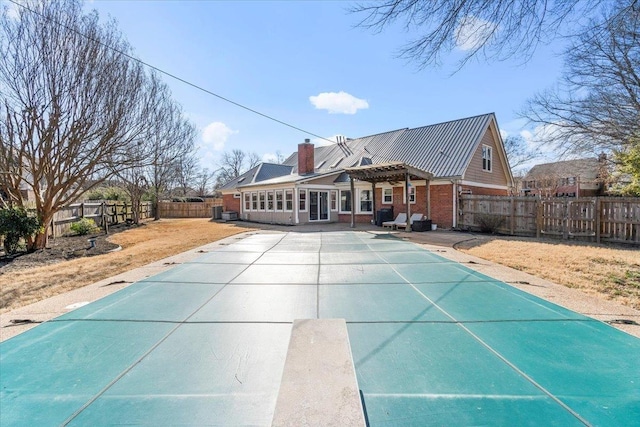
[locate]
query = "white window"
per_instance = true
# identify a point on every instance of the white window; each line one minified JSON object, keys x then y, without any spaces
{"x":254,"y":201}
{"x":365,"y":201}
{"x":302,"y":206}
{"x":412,"y":194}
{"x":270,"y":201}
{"x":247,"y":201}
{"x":261,"y":198}
{"x":487,"y":154}
{"x":345,"y":201}
{"x":279,"y":200}
{"x":387,"y":196}
{"x":288,"y":200}
{"x":334,"y":200}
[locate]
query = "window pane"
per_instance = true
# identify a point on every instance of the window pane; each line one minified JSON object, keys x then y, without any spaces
{"x":365,"y":201}
{"x":261,"y":198}
{"x":270,"y":201}
{"x":254,"y":201}
{"x":278,"y":200}
{"x":288,"y":194}
{"x":303,"y":200}
{"x":345,"y":201}
{"x":387,"y":195}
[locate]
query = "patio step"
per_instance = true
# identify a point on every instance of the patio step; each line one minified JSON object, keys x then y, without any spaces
{"x":319,"y":385}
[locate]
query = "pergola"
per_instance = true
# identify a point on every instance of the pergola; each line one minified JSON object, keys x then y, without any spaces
{"x":388,"y":172}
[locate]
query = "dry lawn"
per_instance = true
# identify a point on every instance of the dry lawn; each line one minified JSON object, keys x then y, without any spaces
{"x":140,"y":246}
{"x":605,"y":272}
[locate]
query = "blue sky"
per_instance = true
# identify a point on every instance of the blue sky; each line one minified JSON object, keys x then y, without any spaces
{"x":276,"y":57}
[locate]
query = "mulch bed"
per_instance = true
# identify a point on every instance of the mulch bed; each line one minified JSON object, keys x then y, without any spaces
{"x":62,"y":249}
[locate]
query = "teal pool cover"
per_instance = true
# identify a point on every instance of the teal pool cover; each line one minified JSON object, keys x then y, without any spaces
{"x":434,"y":343}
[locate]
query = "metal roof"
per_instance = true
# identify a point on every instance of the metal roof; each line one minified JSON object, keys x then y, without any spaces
{"x":443,"y":149}
{"x":259,"y":173}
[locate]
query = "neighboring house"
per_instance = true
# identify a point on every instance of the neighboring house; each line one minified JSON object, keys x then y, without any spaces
{"x":569,"y":178}
{"x":354,"y":178}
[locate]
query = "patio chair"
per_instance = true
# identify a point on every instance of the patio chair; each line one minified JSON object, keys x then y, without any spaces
{"x":414,"y":217}
{"x":400,"y":219}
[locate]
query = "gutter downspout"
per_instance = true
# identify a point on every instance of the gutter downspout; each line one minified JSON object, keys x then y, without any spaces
{"x":296,"y":206}
{"x":455,"y":203}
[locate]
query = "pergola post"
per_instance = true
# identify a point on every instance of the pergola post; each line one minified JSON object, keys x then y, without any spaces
{"x":353,"y":203}
{"x":408,"y":203}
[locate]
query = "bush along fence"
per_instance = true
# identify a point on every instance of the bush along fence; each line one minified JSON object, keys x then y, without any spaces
{"x":188,"y":209}
{"x":107,"y":212}
{"x":595,"y":219}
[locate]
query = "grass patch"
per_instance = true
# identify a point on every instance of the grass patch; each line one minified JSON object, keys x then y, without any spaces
{"x":606,"y":272}
{"x":140,"y":246}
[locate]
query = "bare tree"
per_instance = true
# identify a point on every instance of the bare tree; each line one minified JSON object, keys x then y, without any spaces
{"x":187,"y":172}
{"x":596,"y":105}
{"x":497,"y":29}
{"x":204,"y":180}
{"x":71,"y":104}
{"x":172,"y":140}
{"x":235,"y":163}
{"x":518,"y":153}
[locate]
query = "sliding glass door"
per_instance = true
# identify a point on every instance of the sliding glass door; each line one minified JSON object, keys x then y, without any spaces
{"x":318,"y":205}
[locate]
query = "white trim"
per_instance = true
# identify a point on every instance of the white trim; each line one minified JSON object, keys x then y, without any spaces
{"x":275,"y":201}
{"x":490,"y":159}
{"x":404,"y":194}
{"x":306,"y":199}
{"x":340,"y":211}
{"x":358,"y":198}
{"x":337,"y":194}
{"x":383,"y":188}
{"x":481,"y":185}
{"x":295,"y":205}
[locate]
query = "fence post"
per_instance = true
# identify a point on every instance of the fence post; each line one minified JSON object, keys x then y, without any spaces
{"x":539,"y":217}
{"x":565,"y":219}
{"x":597,"y":213}
{"x":513,"y":215}
{"x":82,"y":210}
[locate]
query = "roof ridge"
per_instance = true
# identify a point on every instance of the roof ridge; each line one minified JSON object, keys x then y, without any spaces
{"x":452,"y":121}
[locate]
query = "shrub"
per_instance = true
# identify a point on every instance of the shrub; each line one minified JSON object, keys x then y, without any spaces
{"x":107,"y":193}
{"x":84,"y":226}
{"x":489,"y":223}
{"x":16,"y":224}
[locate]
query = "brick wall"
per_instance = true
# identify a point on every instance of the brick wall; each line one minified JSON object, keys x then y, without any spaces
{"x":230,"y":203}
{"x":441,"y":203}
{"x":360,"y":219}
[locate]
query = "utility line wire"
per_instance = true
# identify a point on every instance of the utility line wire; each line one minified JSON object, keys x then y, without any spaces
{"x":173,"y":76}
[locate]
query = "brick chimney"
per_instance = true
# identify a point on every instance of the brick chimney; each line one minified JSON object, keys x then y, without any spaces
{"x":305,"y":157}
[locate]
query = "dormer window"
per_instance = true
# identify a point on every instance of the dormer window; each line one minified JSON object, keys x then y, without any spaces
{"x":319,"y":165}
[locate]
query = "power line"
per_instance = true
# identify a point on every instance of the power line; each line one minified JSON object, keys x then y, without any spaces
{"x":173,"y":76}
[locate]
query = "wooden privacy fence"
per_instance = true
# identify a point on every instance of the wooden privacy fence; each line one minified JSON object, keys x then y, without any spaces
{"x":188,"y":209}
{"x":113,"y":212}
{"x":606,"y":219}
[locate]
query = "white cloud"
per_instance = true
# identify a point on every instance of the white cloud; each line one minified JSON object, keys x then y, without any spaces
{"x":472,"y":32}
{"x":322,"y":142}
{"x":215,"y":135}
{"x":338,"y":102}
